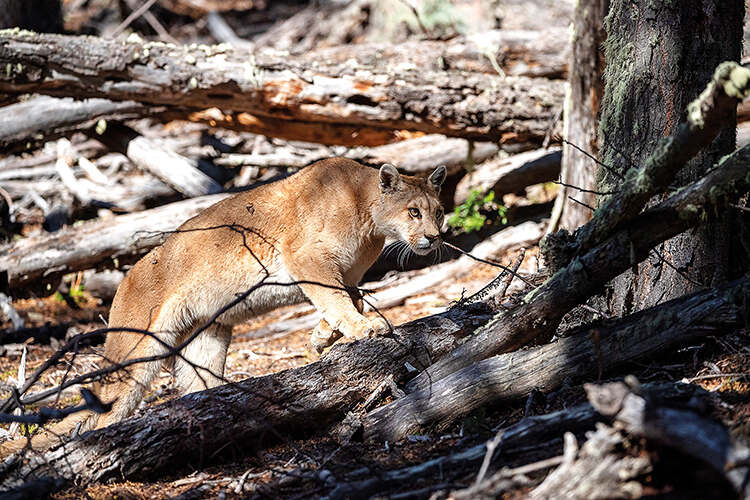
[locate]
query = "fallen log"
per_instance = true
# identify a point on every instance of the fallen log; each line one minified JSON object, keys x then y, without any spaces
{"x":236,"y":418}
{"x":540,"y":431}
{"x":585,"y":353}
{"x":365,"y":93}
{"x":28,"y":124}
{"x":512,"y":174}
{"x":514,"y":52}
{"x":43,"y":257}
{"x":180,"y":173}
{"x":129,"y":194}
{"x":423,"y":154}
{"x":293,"y":130}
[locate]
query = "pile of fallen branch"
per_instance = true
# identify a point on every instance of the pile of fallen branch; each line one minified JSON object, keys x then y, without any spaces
{"x":452,"y":363}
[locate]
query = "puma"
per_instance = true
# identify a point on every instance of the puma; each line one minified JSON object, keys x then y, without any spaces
{"x":312,"y":235}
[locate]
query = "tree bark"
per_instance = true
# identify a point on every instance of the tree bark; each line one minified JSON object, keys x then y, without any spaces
{"x":658,"y":55}
{"x":582,"y":98}
{"x":180,"y":173}
{"x":362,"y":93}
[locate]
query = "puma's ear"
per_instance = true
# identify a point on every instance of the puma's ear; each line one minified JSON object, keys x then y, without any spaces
{"x":437,"y":178}
{"x":390,"y":179}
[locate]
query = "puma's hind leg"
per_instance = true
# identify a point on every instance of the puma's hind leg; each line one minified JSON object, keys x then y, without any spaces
{"x":200,"y":364}
{"x":125,"y":388}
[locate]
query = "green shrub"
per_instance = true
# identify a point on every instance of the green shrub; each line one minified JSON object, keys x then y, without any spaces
{"x":470,"y":215}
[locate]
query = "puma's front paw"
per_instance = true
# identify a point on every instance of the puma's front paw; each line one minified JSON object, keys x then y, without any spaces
{"x":364,"y":327}
{"x":323,"y":336}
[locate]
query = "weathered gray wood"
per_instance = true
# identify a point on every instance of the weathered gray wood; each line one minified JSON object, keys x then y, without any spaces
{"x":82,"y":247}
{"x":642,"y":413}
{"x":239,"y":417}
{"x":512,"y":174}
{"x":543,"y":308}
{"x":362,"y":93}
{"x":28,"y":124}
{"x":173,"y":169}
{"x":582,"y":354}
{"x":598,"y":470}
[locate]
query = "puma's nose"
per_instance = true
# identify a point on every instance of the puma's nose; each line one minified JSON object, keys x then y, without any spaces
{"x":427,"y":241}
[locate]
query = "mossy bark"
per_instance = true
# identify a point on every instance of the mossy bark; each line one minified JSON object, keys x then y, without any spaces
{"x":659,"y":56}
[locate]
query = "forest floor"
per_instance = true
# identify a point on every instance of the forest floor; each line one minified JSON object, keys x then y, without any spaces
{"x":298,"y":468}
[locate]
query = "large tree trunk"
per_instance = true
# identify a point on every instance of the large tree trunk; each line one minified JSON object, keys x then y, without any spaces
{"x":582,"y":98}
{"x":658,"y":55}
{"x":364,"y":92}
{"x":37,"y":15}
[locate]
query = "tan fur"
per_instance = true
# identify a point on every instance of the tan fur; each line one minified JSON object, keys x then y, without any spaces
{"x":325,"y":225}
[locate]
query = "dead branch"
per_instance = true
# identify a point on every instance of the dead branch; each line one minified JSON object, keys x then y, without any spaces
{"x":368,"y":93}
{"x":512,"y":174}
{"x":180,"y":173}
{"x":584,"y":353}
{"x":539,"y":432}
{"x":643,"y":413}
{"x":584,"y":276}
{"x":597,"y":470}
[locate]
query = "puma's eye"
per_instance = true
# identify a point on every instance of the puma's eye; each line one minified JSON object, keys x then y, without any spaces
{"x":414,"y":212}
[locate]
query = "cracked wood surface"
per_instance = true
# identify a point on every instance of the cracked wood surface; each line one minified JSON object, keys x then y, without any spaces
{"x":359,"y":92}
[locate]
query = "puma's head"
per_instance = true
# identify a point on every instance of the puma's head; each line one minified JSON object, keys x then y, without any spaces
{"x":409,"y":208}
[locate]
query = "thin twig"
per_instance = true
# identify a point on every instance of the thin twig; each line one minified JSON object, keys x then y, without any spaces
{"x":132,"y":17}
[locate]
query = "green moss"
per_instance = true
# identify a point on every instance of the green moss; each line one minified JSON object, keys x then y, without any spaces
{"x":15,"y":32}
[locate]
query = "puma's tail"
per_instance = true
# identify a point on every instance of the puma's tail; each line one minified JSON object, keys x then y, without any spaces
{"x":51,"y":436}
